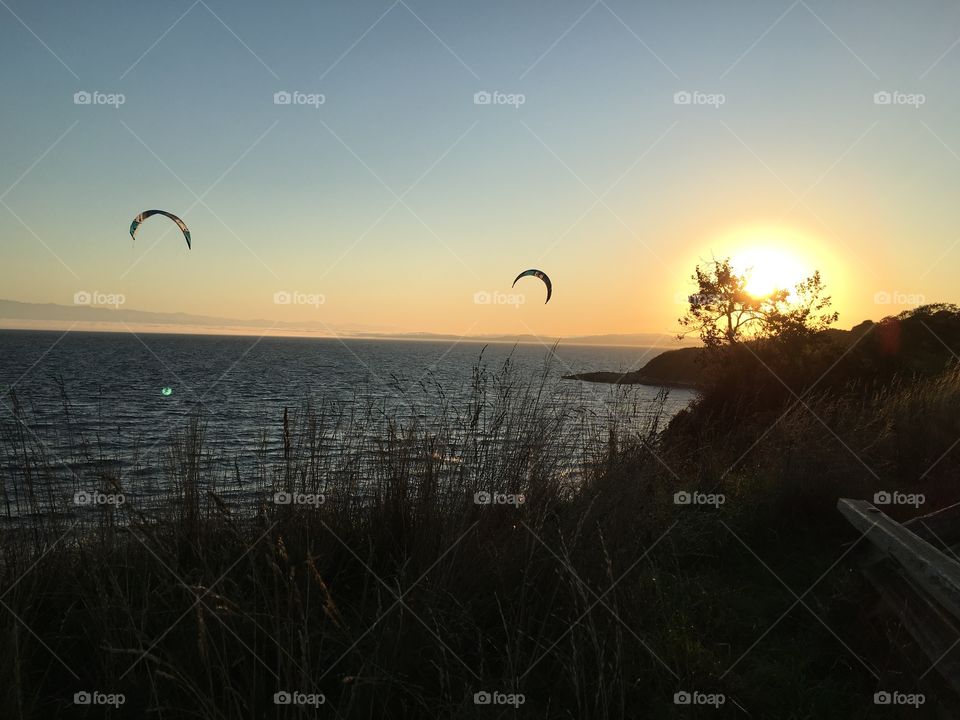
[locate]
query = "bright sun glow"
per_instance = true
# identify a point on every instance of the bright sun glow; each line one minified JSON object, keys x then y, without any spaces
{"x":769,"y":268}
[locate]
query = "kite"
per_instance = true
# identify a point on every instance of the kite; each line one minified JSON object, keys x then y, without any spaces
{"x":148,"y":213}
{"x":537,"y":274}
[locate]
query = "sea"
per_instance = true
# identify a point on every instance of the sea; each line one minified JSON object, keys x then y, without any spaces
{"x":114,"y":392}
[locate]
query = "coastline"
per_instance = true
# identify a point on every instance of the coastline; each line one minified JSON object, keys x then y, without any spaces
{"x":632,"y":378}
{"x":678,"y":368}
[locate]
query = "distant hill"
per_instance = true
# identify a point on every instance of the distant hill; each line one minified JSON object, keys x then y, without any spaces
{"x":919,"y":342}
{"x":673,"y":368}
{"x":51,"y":316}
{"x":915,"y":343}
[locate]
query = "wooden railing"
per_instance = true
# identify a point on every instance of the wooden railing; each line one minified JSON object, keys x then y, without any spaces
{"x":914,"y":569}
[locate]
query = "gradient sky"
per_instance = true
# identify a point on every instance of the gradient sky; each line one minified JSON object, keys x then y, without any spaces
{"x":599,"y":178}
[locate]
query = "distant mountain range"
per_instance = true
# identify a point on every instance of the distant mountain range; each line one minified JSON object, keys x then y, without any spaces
{"x":105,"y":318}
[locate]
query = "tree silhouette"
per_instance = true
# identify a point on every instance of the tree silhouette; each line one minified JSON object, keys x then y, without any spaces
{"x":723,"y":313}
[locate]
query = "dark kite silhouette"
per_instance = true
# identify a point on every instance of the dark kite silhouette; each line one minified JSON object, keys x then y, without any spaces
{"x":537,"y":274}
{"x":148,"y":213}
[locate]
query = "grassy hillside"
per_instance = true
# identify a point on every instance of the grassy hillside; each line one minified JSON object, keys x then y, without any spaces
{"x":400,"y":596}
{"x":919,"y":342}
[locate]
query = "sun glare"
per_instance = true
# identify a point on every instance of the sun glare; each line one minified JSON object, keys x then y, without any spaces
{"x":769,"y":268}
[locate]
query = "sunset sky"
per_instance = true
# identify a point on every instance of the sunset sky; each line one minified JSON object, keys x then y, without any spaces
{"x":399,"y":198}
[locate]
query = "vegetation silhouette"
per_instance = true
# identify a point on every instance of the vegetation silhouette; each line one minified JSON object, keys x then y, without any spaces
{"x":401,"y":597}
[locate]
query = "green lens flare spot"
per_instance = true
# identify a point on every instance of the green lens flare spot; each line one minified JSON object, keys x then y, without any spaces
{"x":167,"y":391}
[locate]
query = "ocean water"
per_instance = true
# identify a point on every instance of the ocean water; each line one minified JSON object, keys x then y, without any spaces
{"x":131,"y":392}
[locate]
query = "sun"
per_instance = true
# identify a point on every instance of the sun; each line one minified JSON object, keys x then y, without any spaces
{"x":770,"y":267}
{"x":774,"y":256}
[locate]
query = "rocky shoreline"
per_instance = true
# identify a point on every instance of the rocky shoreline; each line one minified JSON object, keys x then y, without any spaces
{"x":674,"y":369}
{"x":631,"y":378}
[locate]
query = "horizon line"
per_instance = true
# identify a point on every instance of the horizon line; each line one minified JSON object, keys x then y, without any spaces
{"x":66,"y":327}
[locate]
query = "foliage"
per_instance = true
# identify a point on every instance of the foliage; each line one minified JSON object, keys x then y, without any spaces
{"x":400,"y":597}
{"x":724,"y":313}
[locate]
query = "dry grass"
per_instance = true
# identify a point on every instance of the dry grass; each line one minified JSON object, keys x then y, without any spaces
{"x":399,"y":596}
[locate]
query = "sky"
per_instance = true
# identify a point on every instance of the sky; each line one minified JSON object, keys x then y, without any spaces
{"x":622,"y":144}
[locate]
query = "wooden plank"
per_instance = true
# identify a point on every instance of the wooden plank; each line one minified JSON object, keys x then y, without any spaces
{"x":937,"y":528}
{"x":931,"y":628}
{"x":929,"y":568}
